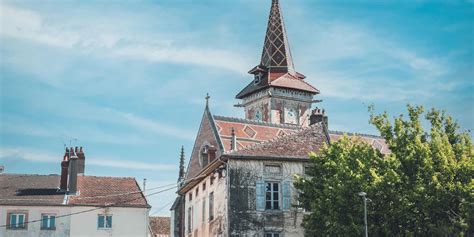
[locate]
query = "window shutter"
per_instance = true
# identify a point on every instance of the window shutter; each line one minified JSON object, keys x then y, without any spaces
{"x":260,"y":193}
{"x":53,"y":222}
{"x":109,"y":221}
{"x":44,"y":222}
{"x":100,"y":222}
{"x":286,"y":195}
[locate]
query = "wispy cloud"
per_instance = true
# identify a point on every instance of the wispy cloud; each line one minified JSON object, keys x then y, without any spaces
{"x":30,"y":25}
{"x":355,"y":62}
{"x":33,"y":155}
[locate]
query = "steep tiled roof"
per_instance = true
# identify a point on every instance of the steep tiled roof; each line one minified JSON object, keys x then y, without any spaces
{"x":160,"y":226}
{"x":42,"y":190}
{"x":25,"y":190}
{"x":248,"y":132}
{"x":93,"y":187}
{"x":295,"y":144}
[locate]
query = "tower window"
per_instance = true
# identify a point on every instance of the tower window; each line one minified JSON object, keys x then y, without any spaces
{"x":258,"y":116}
{"x":257,"y":78}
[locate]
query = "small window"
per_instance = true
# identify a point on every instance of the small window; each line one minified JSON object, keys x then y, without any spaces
{"x":190,"y":196}
{"x":48,"y":221}
{"x":204,"y":186}
{"x":211,"y":206}
{"x":190,"y":214}
{"x":272,"y":234}
{"x":104,"y":221}
{"x":258,"y":116}
{"x":212,"y":179}
{"x":204,"y":210}
{"x":17,"y":221}
{"x":204,"y":158}
{"x":197,"y":191}
{"x":272,"y":196}
{"x":257,"y":78}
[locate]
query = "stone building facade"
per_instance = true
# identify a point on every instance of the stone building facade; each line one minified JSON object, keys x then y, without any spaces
{"x":239,"y":179}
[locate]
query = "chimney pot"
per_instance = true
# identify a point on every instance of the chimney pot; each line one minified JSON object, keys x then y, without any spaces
{"x":317,"y":116}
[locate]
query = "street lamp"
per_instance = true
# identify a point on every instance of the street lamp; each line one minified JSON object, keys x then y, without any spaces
{"x":363,"y":195}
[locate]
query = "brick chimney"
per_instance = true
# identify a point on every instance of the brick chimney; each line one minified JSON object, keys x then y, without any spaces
{"x":72,"y":179}
{"x":318,"y":115}
{"x":81,"y":161}
{"x":64,"y":171}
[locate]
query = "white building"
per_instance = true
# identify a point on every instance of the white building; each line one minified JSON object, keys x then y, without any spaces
{"x":71,"y":204}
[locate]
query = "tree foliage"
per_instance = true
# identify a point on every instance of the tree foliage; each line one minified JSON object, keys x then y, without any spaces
{"x":423,"y":187}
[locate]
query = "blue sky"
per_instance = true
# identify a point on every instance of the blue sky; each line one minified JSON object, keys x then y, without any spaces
{"x":127,"y":79}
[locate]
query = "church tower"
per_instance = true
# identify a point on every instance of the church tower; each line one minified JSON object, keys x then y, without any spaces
{"x":277,"y":94}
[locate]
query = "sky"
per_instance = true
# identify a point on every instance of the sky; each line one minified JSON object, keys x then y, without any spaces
{"x":127,"y":79}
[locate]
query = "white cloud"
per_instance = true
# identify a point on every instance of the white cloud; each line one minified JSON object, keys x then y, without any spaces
{"x":355,"y":62}
{"x":31,"y":26}
{"x":32,"y":155}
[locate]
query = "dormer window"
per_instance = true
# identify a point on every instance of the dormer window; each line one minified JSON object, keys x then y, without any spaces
{"x":257,"y":78}
{"x":203,"y":159}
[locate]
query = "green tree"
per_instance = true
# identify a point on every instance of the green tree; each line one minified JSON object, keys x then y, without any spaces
{"x":423,"y":187}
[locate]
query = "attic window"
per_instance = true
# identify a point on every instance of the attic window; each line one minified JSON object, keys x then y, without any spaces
{"x":257,"y":78}
{"x":203,"y":159}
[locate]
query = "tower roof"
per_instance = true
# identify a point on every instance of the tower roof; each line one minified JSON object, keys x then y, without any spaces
{"x":276,"y":64}
{"x":276,"y":55}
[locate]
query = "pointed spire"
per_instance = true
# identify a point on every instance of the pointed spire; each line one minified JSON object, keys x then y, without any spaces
{"x":276,"y":55}
{"x":181,"y":165}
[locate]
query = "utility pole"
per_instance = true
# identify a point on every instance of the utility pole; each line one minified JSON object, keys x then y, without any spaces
{"x":364,"y":198}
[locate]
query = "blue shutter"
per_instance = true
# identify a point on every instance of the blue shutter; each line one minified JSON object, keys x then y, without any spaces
{"x":286,"y":195}
{"x":52,"y":222}
{"x":44,"y":222}
{"x":12,"y":220}
{"x":101,"y":220}
{"x":260,"y":195}
{"x":109,"y":221}
{"x":21,"y":221}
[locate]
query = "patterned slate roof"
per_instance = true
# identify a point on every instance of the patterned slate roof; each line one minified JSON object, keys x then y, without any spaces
{"x":248,"y":132}
{"x":264,"y":131}
{"x":276,"y":50}
{"x":297,"y":144}
{"x":42,"y":190}
{"x":276,"y":63}
{"x":160,"y":225}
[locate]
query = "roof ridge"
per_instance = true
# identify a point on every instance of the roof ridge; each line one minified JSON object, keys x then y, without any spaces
{"x":354,"y":134}
{"x":259,"y":123}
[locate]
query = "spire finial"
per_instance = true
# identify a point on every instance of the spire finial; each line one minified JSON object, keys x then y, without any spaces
{"x":181,"y":165}
{"x":207,"y":99}
{"x":276,"y":55}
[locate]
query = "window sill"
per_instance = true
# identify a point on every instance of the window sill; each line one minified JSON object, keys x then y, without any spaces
{"x":48,"y":229}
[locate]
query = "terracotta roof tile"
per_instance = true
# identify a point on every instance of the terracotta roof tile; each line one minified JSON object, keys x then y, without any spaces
{"x":42,"y":190}
{"x":26,"y":190}
{"x":376,"y":141}
{"x":160,"y":225}
{"x":95,"y":186}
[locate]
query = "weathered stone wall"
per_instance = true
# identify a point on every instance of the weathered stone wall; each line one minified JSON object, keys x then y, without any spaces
{"x":244,"y":219}
{"x":202,"y":225}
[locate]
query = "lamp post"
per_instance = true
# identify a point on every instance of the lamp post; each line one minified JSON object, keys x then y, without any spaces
{"x":363,"y":195}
